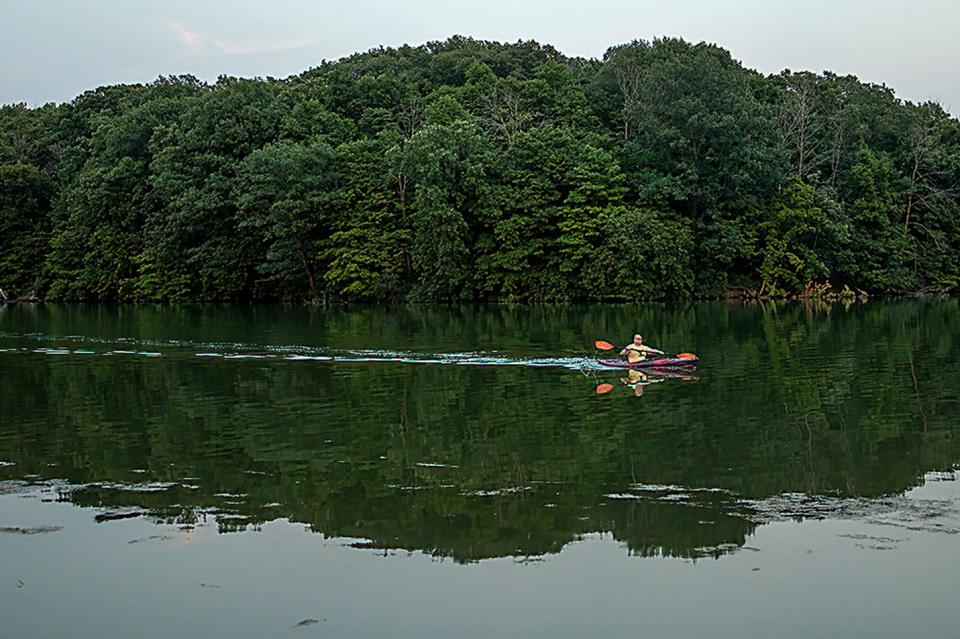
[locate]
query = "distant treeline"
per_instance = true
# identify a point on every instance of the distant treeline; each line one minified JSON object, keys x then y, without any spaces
{"x":471,"y":170}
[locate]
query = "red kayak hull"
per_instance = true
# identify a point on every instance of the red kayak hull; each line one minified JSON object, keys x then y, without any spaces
{"x":662,"y":362}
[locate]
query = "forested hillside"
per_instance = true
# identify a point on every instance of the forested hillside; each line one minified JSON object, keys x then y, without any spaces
{"x":470,"y":170}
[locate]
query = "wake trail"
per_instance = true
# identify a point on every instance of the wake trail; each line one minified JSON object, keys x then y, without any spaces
{"x":80,"y":345}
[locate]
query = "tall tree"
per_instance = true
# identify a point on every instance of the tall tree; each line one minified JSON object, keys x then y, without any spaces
{"x":286,"y":195}
{"x":25,"y":195}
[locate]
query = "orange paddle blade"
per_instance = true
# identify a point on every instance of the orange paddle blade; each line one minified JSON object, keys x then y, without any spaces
{"x":603,"y":346}
{"x":686,"y":356}
{"x":603,"y":389}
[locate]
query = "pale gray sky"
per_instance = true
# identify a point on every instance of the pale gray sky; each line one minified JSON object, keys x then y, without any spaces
{"x":51,"y":50}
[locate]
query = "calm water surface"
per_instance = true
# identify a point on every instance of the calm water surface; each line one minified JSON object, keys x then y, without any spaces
{"x":452,"y":472}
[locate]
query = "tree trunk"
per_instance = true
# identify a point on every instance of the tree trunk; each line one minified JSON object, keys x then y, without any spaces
{"x":306,"y":269}
{"x":913,"y":187}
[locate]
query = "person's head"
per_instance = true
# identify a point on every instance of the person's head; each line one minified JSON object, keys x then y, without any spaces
{"x":638,"y":339}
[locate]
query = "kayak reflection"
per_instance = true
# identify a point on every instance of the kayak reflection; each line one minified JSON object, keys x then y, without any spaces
{"x":637,"y":379}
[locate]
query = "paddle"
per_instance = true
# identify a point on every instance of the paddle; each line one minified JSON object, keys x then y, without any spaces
{"x":603,"y":389}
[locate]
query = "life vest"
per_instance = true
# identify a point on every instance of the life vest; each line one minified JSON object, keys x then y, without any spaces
{"x":635,"y":353}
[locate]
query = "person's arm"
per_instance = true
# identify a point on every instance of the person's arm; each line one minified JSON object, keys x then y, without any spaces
{"x":650,"y":349}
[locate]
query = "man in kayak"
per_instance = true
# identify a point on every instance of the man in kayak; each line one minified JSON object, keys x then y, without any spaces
{"x":637,"y":351}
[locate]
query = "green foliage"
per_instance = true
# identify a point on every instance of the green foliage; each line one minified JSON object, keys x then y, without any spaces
{"x":25,"y":194}
{"x":447,"y":167}
{"x":367,"y":257}
{"x":800,"y":219}
{"x":476,"y":170}
{"x":310,"y":122}
{"x":445,"y":109}
{"x":196,"y":234}
{"x":655,"y":258}
{"x":881,"y":252}
{"x":285,"y":195}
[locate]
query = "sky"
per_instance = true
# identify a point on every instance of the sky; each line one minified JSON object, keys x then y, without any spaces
{"x":53,"y":50}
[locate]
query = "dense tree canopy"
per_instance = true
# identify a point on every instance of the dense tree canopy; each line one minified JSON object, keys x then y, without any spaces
{"x":471,"y":170}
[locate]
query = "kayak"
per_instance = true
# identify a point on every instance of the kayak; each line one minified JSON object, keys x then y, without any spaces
{"x":661,"y":362}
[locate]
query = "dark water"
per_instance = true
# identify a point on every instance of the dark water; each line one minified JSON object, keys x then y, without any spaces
{"x":420,"y":472}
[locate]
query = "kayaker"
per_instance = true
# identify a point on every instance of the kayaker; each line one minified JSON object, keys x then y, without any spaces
{"x":637,"y":351}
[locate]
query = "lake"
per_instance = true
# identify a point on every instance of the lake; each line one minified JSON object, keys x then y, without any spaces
{"x":453,"y":472}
